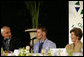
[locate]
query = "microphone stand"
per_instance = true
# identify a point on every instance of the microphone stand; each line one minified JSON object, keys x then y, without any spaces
{"x":32,"y":42}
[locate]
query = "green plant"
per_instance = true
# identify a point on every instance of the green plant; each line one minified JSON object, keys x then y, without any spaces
{"x":33,"y":7}
{"x":70,"y":53}
{"x":6,"y":54}
{"x":19,"y":52}
{"x":31,"y":53}
{"x":1,"y":51}
{"x":37,"y":54}
{"x":49,"y":53}
{"x":23,"y":52}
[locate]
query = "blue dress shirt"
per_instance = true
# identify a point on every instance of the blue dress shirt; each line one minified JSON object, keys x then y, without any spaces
{"x":46,"y":46}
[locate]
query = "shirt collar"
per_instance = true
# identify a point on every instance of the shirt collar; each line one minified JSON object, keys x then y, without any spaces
{"x":43,"y":41}
{"x":7,"y":39}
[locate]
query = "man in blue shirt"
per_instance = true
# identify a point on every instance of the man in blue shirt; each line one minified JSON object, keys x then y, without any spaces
{"x":43,"y":43}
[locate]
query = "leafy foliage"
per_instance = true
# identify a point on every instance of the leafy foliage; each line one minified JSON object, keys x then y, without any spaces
{"x":33,"y":7}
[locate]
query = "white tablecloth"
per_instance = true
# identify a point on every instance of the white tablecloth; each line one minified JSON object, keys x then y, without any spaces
{"x":54,"y":52}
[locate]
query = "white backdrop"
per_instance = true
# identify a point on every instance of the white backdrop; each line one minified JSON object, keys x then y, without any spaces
{"x":75,"y":18}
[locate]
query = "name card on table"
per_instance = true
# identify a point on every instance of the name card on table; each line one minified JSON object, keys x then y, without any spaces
{"x":16,"y":52}
{"x":59,"y":52}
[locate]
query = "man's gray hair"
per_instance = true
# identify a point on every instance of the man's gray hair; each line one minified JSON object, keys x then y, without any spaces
{"x":3,"y":28}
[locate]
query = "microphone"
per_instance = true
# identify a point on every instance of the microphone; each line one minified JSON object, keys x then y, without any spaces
{"x":33,"y":38}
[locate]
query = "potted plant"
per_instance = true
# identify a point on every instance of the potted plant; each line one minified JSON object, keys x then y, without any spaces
{"x":33,"y":7}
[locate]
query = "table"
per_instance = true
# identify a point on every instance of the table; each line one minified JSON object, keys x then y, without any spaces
{"x":54,"y":52}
